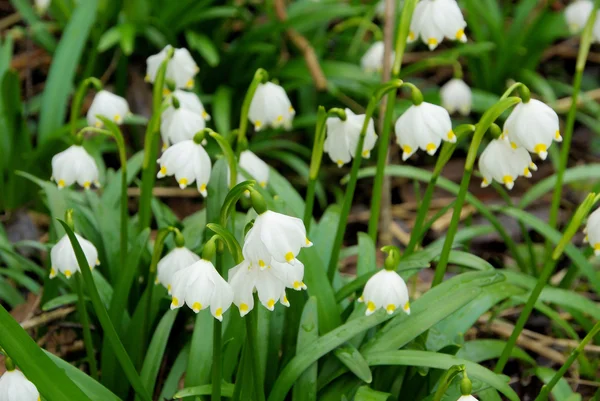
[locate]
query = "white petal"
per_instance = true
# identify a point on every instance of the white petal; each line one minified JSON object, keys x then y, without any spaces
{"x":14,"y":386}
{"x":108,"y":105}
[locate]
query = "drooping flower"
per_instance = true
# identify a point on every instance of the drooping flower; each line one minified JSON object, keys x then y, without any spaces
{"x":592,"y":231}
{"x":180,"y":125}
{"x":372,"y":61}
{"x":466,"y":398}
{"x":533,"y":126}
{"x":387,"y":290}
{"x":176,"y":260}
{"x":435,"y":19}
{"x":504,"y":164}
{"x":423,"y":126}
{"x":456,"y":96}
{"x":62,"y":256}
{"x":342,"y":137}
{"x":188,"y":162}
{"x":274,"y":236}
{"x":200,"y":286}
{"x":271,"y":106}
{"x":108,"y":105}
{"x":577,"y":14}
{"x":258,"y":169}
{"x":181,"y":68}
{"x":14,"y":386}
{"x":187,"y":100}
{"x":74,"y":165}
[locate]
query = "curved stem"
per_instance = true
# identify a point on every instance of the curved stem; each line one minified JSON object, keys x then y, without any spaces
{"x":384,"y":139}
{"x":85,"y":324}
{"x":260,"y":76}
{"x":78,"y":100}
{"x":365,"y":22}
{"x":393,"y":85}
{"x":517,"y":86}
{"x":252,"y":347}
{"x":228,"y":153}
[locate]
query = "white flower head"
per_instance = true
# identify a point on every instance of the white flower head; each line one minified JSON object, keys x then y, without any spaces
{"x":188,"y":162}
{"x":592,"y":231}
{"x":176,"y":260}
{"x":271,"y":106}
{"x":187,"y":100}
{"x":108,"y":105}
{"x":504,"y":164}
{"x":14,"y":386}
{"x":62,"y":256}
{"x":372,"y":61}
{"x":533,"y":126}
{"x":577,"y":14}
{"x":387,"y":290}
{"x":274,"y":236}
{"x":435,"y":19}
{"x":74,"y":165}
{"x":456,"y":96}
{"x":258,"y":169}
{"x":41,"y":6}
{"x":181,"y":68}
{"x":423,"y":126}
{"x":466,"y":398}
{"x":200,"y":286}
{"x":342,"y":137}
{"x":180,"y":125}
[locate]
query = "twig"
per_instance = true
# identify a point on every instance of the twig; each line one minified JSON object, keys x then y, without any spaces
{"x":563,"y":105}
{"x":47,"y":317}
{"x":304,"y":46}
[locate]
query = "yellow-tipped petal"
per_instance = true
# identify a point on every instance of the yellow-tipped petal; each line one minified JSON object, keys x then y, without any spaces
{"x":189,"y":84}
{"x":87,"y":185}
{"x":243,"y":308}
{"x":118,"y":118}
{"x":460,"y":34}
{"x":169,"y":288}
{"x":407,"y":306}
{"x":263,"y":184}
{"x":203,"y":188}
{"x":204,"y":114}
{"x":61,"y":183}
{"x":257,"y":124}
{"x":219,"y":312}
{"x":411,"y":35}
{"x":68,"y":273}
{"x":366,"y":153}
{"x":289,"y":256}
{"x":52,"y":272}
{"x":166,"y":92}
{"x":271,"y":304}
{"x":279,"y":119}
{"x":513,"y":145}
{"x":340,"y":163}
{"x":183,"y":183}
{"x":540,"y":148}
{"x":261,"y":263}
{"x":451,"y":136}
{"x":431,"y":148}
{"x":508,"y":181}
{"x":557,"y":136}
{"x":390,"y":308}
{"x":196,"y":307}
{"x":98,"y":124}
{"x":432,"y":42}
{"x":175,"y":301}
{"x":163,"y":170}
{"x":371,"y":306}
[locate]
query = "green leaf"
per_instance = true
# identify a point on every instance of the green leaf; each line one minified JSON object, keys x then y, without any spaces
{"x":62,"y":300}
{"x":488,"y":349}
{"x":171,"y":383}
{"x":198,"y":368}
{"x":10,"y":294}
{"x":562,"y":391}
{"x":226,"y":391}
{"x":367,"y":262}
{"x":305,"y":388}
{"x":21,"y":279}
{"x":63,"y":68}
{"x":287,"y":192}
{"x":230,"y":241}
{"x":365,"y":393}
{"x":354,"y":361}
{"x":203,"y":45}
{"x":40,"y":33}
{"x":51,"y":381}
{"x":109,"y":39}
{"x":127,"y":37}
{"x":221,"y":113}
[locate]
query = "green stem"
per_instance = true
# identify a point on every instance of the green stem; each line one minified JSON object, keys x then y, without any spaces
{"x":217,"y":340}
{"x":363,"y":23}
{"x":260,"y":76}
{"x":228,"y":153}
{"x":393,"y":85}
{"x":85,"y":323}
{"x":482,"y":126}
{"x":384,"y":139}
{"x":584,"y":48}
{"x":78,"y":100}
{"x":252,"y":347}
{"x":547,"y":388}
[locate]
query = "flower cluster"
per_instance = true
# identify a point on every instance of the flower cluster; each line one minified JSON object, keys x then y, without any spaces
{"x":435,"y":20}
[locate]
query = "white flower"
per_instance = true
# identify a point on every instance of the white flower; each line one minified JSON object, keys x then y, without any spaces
{"x":74,"y":165}
{"x":387,"y":290}
{"x":14,"y":386}
{"x":423,"y":126}
{"x":180,"y":125}
{"x":179,"y":258}
{"x":181,"y":68}
{"x":342,"y":137}
{"x":187,"y":100}
{"x":62,"y":256}
{"x":258,"y":169}
{"x":270,"y":283}
{"x":533,"y":126}
{"x":41,"y":6}
{"x":274,"y":236}
{"x":271,"y":106}
{"x":108,"y":105}
{"x":501,"y":162}
{"x":372,"y":61}
{"x":200,"y":286}
{"x":456,"y":96}
{"x":592,"y":231}
{"x":577,"y":14}
{"x":188,"y":162}
{"x":466,"y":398}
{"x":435,"y":19}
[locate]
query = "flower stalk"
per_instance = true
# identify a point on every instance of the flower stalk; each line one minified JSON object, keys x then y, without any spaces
{"x":85,"y":324}
{"x":252,"y":347}
{"x":260,"y":77}
{"x":78,"y":100}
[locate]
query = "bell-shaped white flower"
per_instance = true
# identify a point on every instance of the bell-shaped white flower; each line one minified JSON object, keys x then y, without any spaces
{"x":504,"y":164}
{"x":14,"y":386}
{"x":387,"y":290}
{"x":342,"y":137}
{"x":423,"y":126}
{"x":271,"y":106}
{"x":258,"y":169}
{"x":62,"y":256}
{"x":466,"y":398}
{"x":435,"y":19}
{"x":456,"y":96}
{"x":274,"y":236}
{"x":533,"y":126}
{"x":577,"y":14}
{"x":372,"y":61}
{"x":592,"y":231}
{"x":200,"y":286}
{"x":181,"y":68}
{"x":74,"y":165}
{"x":188,"y":162}
{"x":187,"y":100}
{"x":108,"y":105}
{"x":41,"y":6}
{"x":180,"y":125}
{"x":176,"y":260}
